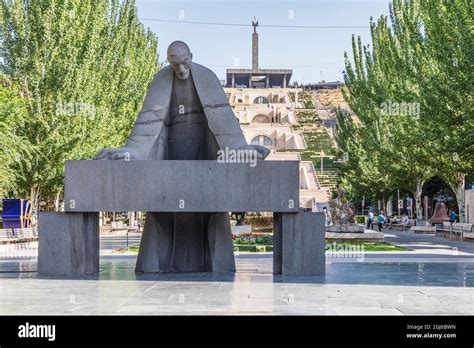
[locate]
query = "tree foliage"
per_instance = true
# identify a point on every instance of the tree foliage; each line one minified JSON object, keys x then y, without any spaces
{"x":83,"y":68}
{"x":13,"y":114}
{"x":412,"y":91}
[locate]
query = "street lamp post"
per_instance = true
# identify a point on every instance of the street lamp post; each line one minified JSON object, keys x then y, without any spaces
{"x":322,"y":160}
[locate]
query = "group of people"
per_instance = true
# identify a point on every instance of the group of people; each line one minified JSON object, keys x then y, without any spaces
{"x":405,"y":220}
{"x":382,"y":219}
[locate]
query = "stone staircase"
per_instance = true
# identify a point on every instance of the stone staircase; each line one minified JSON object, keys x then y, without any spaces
{"x":327,"y":179}
{"x":316,"y":122}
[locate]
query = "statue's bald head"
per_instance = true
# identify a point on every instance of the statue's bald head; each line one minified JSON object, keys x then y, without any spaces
{"x":180,"y":58}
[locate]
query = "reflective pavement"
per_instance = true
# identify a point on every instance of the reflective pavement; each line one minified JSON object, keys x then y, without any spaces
{"x":434,"y":277}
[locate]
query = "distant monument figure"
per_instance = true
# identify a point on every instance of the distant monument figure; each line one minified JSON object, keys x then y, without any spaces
{"x":255,"y":25}
{"x":440,"y":215}
{"x":255,"y":45}
{"x":342,"y":210}
{"x":185,"y":116}
{"x":342,"y":213}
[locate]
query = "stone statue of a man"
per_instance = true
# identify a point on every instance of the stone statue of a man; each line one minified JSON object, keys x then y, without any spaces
{"x":185,"y":116}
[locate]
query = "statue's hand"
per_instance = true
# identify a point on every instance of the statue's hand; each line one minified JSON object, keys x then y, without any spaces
{"x":121,"y":153}
{"x":262,"y":151}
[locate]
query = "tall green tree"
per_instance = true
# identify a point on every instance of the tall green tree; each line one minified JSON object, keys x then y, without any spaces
{"x":420,"y":61}
{"x":83,"y":67}
{"x":13,"y":114}
{"x":448,"y":88}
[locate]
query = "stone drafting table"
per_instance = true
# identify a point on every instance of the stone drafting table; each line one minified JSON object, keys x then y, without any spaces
{"x":69,"y":241}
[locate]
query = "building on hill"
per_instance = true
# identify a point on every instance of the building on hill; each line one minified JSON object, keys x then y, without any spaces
{"x":295,"y":123}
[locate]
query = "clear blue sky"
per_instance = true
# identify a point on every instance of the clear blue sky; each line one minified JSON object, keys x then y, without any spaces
{"x":311,"y":53}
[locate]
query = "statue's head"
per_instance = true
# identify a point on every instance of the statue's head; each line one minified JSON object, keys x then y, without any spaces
{"x":180,"y":58}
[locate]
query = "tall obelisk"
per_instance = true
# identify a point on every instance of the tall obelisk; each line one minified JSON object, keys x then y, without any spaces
{"x":255,"y":45}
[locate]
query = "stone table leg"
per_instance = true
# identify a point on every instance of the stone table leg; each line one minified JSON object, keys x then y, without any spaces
{"x":299,"y":244}
{"x":68,"y":244}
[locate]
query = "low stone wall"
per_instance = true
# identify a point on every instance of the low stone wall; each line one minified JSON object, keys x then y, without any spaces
{"x":367,"y":236}
{"x":456,"y":235}
{"x":424,"y":229}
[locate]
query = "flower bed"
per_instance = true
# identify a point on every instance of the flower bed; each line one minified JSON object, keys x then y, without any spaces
{"x":254,"y":239}
{"x":253,"y":248}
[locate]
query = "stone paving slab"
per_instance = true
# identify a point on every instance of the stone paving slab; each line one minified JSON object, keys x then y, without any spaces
{"x":118,"y":292}
{"x":409,"y":283}
{"x":179,"y":298}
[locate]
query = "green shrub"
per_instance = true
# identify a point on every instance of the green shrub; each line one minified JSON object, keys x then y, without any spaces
{"x":253,"y":248}
{"x":245,"y":240}
{"x":266,"y":240}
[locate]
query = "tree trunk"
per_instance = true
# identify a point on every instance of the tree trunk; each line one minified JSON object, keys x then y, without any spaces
{"x":56,"y":201}
{"x":390,"y":205}
{"x":418,"y":190}
{"x":35,"y":194}
{"x":459,"y":192}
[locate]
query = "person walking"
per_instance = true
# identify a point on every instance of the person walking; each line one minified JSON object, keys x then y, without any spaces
{"x":328,"y":219}
{"x":370,"y":220}
{"x":452,"y":216}
{"x":380,"y":220}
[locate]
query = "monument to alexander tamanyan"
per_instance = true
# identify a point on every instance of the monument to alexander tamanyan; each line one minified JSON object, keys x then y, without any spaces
{"x":185,"y":116}
{"x":171,"y":167}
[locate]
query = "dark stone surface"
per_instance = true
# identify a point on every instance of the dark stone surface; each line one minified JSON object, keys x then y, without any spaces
{"x":68,"y":244}
{"x":160,"y":186}
{"x":299,"y":244}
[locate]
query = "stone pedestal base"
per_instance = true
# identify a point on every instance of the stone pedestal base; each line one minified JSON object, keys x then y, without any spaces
{"x":68,"y":244}
{"x":299,"y":244}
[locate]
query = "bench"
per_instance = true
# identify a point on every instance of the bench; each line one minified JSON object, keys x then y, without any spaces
{"x":17,"y":235}
{"x":119,"y":226}
{"x":396,"y":226}
{"x":424,"y":229}
{"x":458,"y":230}
{"x":6,"y":235}
{"x":25,"y":234}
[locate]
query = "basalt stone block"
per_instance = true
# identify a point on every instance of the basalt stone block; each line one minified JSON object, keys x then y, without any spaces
{"x":68,"y":244}
{"x":299,"y":244}
{"x":181,"y":186}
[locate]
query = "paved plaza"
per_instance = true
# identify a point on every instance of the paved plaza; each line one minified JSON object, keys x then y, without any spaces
{"x":436,"y":276}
